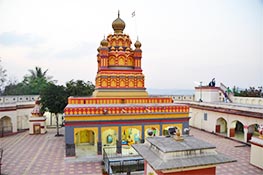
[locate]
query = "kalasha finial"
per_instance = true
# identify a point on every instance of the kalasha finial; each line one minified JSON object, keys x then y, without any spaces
{"x":118,"y":24}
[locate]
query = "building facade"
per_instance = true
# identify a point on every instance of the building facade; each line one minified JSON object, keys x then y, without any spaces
{"x":120,"y":112}
{"x":15,"y":112}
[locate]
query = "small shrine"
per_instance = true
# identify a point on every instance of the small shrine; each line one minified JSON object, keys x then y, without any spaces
{"x":37,"y":122}
{"x":179,"y":155}
{"x":257,"y":149}
{"x":120,"y":112}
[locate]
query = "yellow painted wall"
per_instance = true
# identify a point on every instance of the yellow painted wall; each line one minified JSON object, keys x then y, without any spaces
{"x":113,"y":131}
{"x":81,"y":135}
{"x":179,"y":126}
{"x":126,"y":117}
{"x":146,"y":127}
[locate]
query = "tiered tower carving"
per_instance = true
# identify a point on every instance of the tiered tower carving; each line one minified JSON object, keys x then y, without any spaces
{"x":119,"y":66}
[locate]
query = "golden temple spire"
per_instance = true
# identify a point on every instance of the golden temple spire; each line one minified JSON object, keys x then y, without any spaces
{"x":118,"y":24}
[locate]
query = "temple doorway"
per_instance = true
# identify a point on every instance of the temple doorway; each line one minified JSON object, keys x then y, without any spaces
{"x":109,"y":137}
{"x":221,"y":126}
{"x":5,"y":126}
{"x":131,"y":136}
{"x":151,"y":132}
{"x":237,"y":130}
{"x":85,"y":143}
{"x":170,"y":130}
{"x":252,"y":131}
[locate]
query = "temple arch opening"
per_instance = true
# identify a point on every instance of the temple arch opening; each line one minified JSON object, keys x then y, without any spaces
{"x":151,"y":132}
{"x":5,"y":126}
{"x":237,"y":130}
{"x":169,"y":130}
{"x":109,"y":137}
{"x":131,"y":136}
{"x":252,"y":131}
{"x":85,"y":142}
{"x":221,"y":126}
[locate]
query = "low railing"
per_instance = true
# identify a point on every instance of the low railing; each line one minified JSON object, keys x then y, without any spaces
{"x":119,"y":163}
{"x":248,"y":100}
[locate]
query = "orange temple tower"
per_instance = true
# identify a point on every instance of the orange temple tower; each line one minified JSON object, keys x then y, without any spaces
{"x":120,"y":112}
{"x":119,"y":66}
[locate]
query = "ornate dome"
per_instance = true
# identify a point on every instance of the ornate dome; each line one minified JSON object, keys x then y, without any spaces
{"x":137,"y":44}
{"x":118,"y":24}
{"x":104,"y":43}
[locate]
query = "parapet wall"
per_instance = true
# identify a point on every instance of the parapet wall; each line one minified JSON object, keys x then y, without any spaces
{"x":248,"y":100}
{"x":17,"y":99}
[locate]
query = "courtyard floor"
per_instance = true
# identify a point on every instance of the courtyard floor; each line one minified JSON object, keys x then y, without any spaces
{"x":26,"y":154}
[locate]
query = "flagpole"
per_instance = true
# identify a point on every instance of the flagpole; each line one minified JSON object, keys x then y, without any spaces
{"x":135,"y":23}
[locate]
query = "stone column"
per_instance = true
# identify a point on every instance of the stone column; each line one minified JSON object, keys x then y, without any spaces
{"x":69,"y":140}
{"x":245,"y":133}
{"x":99,"y":143}
{"x":14,"y":124}
{"x":228,"y":129}
{"x":119,"y":141}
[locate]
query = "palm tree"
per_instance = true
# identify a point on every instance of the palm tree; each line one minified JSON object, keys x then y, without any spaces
{"x":37,"y":80}
{"x":37,"y":74}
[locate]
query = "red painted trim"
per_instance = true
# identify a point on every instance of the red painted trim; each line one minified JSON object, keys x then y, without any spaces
{"x":14,"y":108}
{"x":256,"y":166}
{"x":25,"y":106}
{"x":114,"y":71}
{"x":37,"y":120}
{"x":256,"y":144}
{"x":4,"y":109}
{"x":228,"y":111}
{"x":138,"y":122}
{"x":207,"y":87}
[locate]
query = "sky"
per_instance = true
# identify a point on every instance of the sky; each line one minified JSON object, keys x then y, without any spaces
{"x":183,"y":41}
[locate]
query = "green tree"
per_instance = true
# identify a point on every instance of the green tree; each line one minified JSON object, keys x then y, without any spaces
{"x":15,"y":88}
{"x":2,"y":78}
{"x":32,"y":84}
{"x":54,"y":99}
{"x":79,"y":88}
{"x":250,"y":92}
{"x":37,"y":80}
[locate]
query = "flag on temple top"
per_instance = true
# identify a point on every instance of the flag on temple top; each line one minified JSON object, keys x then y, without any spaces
{"x":133,"y":14}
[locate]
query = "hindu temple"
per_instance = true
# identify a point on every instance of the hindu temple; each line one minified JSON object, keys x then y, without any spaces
{"x":37,"y":121}
{"x":120,"y":112}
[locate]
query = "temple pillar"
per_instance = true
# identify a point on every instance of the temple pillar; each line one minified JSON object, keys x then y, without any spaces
{"x":119,"y":141}
{"x":69,"y":140}
{"x":14,"y":124}
{"x":245,"y":133}
{"x":231,"y":132}
{"x":99,"y":148}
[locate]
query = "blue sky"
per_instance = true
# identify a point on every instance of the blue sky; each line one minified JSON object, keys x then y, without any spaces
{"x":183,"y":41}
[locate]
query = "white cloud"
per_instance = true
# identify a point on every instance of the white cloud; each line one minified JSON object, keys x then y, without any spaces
{"x":182,"y":41}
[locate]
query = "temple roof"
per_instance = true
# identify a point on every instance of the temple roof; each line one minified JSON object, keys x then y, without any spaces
{"x":164,"y":153}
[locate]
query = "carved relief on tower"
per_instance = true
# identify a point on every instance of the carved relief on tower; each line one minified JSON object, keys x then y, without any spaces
{"x":121,"y":60}
{"x":122,"y":40}
{"x":120,"y":81}
{"x":113,"y":83}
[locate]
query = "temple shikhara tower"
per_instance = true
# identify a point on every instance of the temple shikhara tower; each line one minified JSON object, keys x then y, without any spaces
{"x":119,"y":66}
{"x":120,"y":112}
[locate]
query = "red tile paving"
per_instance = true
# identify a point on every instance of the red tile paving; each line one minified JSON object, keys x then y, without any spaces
{"x":26,"y":154}
{"x":44,"y":155}
{"x":234,"y":149}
